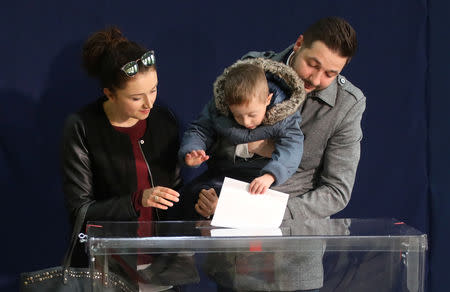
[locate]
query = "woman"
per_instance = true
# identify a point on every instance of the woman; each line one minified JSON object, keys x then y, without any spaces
{"x":119,"y":153}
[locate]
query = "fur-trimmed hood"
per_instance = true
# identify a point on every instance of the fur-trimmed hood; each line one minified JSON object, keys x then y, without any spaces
{"x":278,"y":111}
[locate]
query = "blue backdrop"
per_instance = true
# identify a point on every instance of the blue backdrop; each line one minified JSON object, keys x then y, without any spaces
{"x":401,"y":66}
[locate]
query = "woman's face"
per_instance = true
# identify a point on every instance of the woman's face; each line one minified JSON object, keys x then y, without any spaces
{"x":135,"y":101}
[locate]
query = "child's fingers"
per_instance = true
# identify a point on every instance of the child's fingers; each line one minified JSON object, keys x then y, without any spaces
{"x":264,"y":189}
{"x":253,"y":187}
{"x":250,"y":187}
{"x":199,"y":153}
{"x":261,"y":189}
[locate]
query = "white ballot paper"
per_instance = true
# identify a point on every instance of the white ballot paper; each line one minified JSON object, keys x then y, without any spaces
{"x":237,"y":208}
{"x":237,"y":232}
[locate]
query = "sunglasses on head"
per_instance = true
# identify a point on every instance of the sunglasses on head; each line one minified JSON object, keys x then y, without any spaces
{"x":131,"y":68}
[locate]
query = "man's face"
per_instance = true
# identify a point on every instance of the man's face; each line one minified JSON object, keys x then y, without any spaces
{"x":317,"y":66}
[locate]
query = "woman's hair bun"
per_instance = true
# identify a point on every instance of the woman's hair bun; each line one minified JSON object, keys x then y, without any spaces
{"x":99,"y":44}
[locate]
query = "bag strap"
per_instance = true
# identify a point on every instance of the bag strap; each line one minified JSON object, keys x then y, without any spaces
{"x":76,"y":229}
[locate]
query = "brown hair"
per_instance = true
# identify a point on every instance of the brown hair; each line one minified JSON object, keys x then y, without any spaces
{"x":336,"y":33}
{"x":241,"y":82}
{"x":105,"y":52}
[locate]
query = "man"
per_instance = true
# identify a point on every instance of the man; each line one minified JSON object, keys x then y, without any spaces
{"x":331,"y":123}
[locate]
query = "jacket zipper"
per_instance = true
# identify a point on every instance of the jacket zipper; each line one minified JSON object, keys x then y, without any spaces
{"x":140,"y":142}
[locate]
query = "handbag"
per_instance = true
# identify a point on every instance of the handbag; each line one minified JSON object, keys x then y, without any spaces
{"x":66,"y":278}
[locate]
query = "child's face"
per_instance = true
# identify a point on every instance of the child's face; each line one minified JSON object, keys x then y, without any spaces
{"x":251,"y":115}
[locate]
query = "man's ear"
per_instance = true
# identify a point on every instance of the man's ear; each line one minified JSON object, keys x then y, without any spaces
{"x":298,"y":43}
{"x":108,"y":93}
{"x":269,"y":99}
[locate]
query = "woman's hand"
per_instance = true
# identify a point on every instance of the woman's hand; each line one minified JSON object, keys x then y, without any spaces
{"x":195,"y":157}
{"x":159,"y":197}
{"x":262,"y":147}
{"x":207,"y":202}
{"x":260,"y":184}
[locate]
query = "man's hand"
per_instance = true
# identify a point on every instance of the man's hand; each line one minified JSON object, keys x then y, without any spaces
{"x":260,"y":184}
{"x":195,"y":157}
{"x":207,"y":202}
{"x":262,"y":147}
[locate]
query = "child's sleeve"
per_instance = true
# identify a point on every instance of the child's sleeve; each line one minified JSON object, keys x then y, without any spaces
{"x":288,"y":150}
{"x":200,"y":134}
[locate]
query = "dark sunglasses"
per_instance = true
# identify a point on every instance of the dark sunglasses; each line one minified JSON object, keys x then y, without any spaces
{"x":131,"y":68}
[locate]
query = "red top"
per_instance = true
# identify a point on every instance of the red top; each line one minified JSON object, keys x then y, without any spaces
{"x":135,"y":133}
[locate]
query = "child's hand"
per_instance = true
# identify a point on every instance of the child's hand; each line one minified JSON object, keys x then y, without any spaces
{"x":195,"y":157}
{"x":260,"y":184}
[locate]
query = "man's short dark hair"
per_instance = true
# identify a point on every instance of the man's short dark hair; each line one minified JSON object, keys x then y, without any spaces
{"x":336,"y":33}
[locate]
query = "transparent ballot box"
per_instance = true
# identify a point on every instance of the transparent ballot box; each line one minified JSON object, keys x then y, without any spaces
{"x":328,"y":255}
